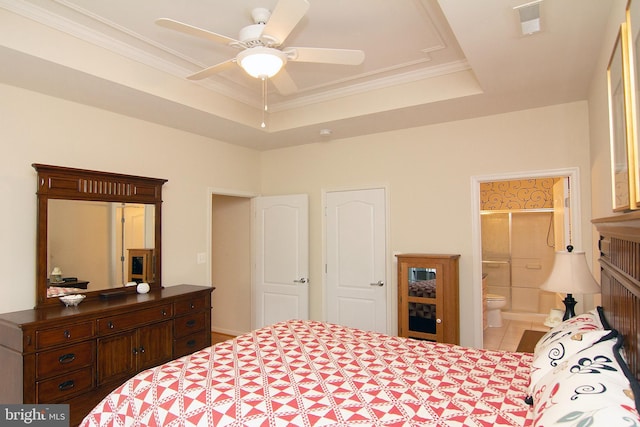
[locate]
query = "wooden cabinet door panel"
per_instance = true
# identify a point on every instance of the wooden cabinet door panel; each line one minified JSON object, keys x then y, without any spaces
{"x":155,"y":345}
{"x":428,"y":297}
{"x":116,"y":358}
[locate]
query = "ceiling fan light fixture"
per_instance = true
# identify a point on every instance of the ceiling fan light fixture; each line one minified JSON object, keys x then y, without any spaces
{"x":262,"y":62}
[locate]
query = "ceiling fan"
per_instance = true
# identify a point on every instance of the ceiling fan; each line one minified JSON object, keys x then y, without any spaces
{"x":261,"y":52}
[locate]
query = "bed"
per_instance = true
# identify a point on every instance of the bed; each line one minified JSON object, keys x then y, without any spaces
{"x":310,"y":373}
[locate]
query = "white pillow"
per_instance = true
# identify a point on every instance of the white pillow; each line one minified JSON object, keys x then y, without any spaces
{"x":592,"y":388}
{"x":581,"y":323}
{"x":560,"y":349}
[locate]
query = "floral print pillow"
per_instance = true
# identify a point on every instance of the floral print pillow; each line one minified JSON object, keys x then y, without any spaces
{"x":581,"y":323}
{"x":591,"y":388}
{"x":562,"y":349}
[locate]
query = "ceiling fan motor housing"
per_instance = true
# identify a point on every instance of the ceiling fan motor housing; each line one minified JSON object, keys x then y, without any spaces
{"x":252,"y":35}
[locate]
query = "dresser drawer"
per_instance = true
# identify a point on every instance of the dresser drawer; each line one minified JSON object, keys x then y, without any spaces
{"x":191,"y":305}
{"x":64,"y":334}
{"x":123,"y":322}
{"x":58,"y":388}
{"x":191,"y":343}
{"x":65,"y":359}
{"x":187,"y":325}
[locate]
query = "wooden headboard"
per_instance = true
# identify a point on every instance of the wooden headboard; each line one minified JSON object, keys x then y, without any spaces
{"x":620,"y":279}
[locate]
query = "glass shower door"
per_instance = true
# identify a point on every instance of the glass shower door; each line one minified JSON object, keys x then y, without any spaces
{"x":496,"y":253}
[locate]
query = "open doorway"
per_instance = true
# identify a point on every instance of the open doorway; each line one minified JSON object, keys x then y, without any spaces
{"x":230,"y":263}
{"x":522,"y":223}
{"x":516,"y":253}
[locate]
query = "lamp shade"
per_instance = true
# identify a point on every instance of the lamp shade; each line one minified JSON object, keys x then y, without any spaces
{"x":571,"y":275}
{"x":261,"y":62}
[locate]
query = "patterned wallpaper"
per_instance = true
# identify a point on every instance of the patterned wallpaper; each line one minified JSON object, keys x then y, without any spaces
{"x":518,"y":194}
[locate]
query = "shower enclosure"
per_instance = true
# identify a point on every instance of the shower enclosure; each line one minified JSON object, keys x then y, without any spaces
{"x":517,"y":256}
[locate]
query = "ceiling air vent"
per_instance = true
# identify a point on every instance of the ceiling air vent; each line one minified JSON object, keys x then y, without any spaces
{"x":529,"y":17}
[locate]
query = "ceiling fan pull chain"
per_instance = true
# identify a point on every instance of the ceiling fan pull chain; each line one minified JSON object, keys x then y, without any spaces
{"x":264,"y":101}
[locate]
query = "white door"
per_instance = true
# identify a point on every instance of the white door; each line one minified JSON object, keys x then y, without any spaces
{"x":280,"y":286}
{"x":356,"y":259}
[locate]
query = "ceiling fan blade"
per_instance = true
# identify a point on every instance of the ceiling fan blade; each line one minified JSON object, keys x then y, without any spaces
{"x":325,"y":56}
{"x":210,"y":71}
{"x":284,"y":83}
{"x":284,"y":18}
{"x":194,"y":31}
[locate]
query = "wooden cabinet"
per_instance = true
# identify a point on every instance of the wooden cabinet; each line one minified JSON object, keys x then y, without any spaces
{"x":428,"y":306}
{"x":76,"y":355}
{"x":123,"y":354}
{"x":140,"y":265}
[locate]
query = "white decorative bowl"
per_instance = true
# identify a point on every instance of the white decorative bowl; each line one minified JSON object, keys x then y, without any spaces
{"x":72,"y":300}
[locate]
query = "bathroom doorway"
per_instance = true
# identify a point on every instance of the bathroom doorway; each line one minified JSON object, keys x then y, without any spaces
{"x":522,"y":225}
{"x":522,"y":219}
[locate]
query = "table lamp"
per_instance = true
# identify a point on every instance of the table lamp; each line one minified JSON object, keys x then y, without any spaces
{"x":570,"y":275}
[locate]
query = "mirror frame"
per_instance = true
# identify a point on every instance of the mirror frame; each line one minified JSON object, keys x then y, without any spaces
{"x":58,"y":182}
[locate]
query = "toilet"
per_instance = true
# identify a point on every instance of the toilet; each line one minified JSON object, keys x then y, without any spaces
{"x":493,"y":304}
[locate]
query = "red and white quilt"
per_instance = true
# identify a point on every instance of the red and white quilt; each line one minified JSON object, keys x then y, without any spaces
{"x":308,"y":373}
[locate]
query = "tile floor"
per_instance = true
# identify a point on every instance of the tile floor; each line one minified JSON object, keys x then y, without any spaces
{"x":508,"y":336}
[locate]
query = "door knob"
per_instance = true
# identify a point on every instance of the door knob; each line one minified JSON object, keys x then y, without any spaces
{"x":300,"y":280}
{"x":378,"y":283}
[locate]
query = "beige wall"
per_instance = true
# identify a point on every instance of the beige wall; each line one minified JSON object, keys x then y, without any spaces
{"x":599,"y":121}
{"x":428,"y":172}
{"x":41,"y":129}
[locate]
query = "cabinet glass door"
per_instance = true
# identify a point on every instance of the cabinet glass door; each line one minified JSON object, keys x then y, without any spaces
{"x":422,"y":294}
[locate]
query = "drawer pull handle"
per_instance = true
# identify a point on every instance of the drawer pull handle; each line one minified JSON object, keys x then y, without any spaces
{"x":141,"y":349}
{"x":164,"y":312}
{"x":191,"y":323}
{"x":191,"y":343}
{"x":193,"y":306}
{"x":111,"y":325}
{"x":67,"y":385}
{"x":67,"y":334}
{"x":67,"y":358}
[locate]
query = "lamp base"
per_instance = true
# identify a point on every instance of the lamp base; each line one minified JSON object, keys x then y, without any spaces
{"x":569,"y":304}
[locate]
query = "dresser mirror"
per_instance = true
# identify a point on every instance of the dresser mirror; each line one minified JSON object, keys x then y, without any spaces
{"x":97,"y":231}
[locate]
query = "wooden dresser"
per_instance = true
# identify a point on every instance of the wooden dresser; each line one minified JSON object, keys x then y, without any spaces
{"x":428,"y":306}
{"x":76,"y":355}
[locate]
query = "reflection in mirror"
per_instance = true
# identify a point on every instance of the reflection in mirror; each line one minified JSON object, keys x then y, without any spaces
{"x":422,"y":284}
{"x":420,"y":273}
{"x":92,"y":243}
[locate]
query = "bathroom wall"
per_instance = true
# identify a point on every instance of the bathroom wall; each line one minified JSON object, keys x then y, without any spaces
{"x":536,"y":193}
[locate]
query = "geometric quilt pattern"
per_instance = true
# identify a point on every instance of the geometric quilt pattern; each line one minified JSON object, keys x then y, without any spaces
{"x":310,"y":373}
